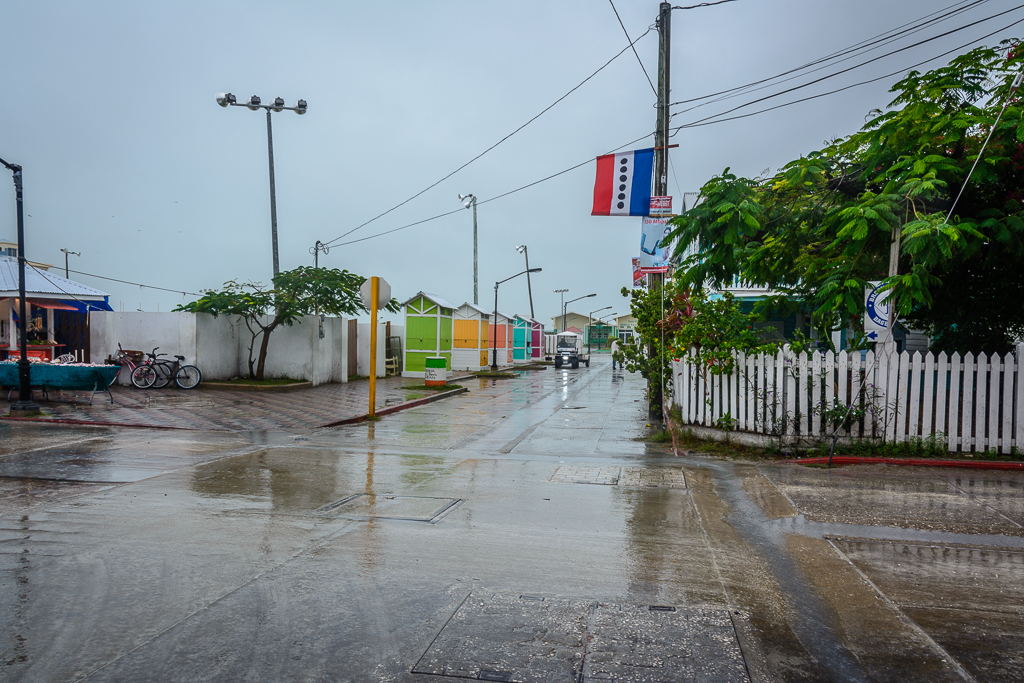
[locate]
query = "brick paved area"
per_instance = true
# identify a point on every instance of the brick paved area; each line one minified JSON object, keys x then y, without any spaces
{"x":217,"y":409}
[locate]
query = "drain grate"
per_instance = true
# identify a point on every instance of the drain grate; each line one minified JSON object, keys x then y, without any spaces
{"x":388,"y":506}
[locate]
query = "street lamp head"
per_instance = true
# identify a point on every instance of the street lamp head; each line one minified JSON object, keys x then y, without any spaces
{"x":254,"y":103}
{"x":521,"y":248}
{"x":225,"y":99}
{"x":559,"y":291}
{"x":467,"y":200}
{"x":588,"y":296}
{"x":534,"y":270}
{"x":300,"y":107}
{"x":278,"y":104}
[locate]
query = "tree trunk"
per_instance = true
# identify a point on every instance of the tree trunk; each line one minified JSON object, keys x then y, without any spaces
{"x":263,"y":350}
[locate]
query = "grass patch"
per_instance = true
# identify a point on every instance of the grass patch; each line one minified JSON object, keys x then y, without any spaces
{"x":496,"y":375}
{"x":660,"y":436}
{"x":373,"y":418}
{"x":422,"y":387}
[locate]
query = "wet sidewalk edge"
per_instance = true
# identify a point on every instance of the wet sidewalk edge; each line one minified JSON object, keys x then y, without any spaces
{"x":339,"y":423}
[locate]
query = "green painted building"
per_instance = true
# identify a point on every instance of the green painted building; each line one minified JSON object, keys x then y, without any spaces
{"x":428,"y":332}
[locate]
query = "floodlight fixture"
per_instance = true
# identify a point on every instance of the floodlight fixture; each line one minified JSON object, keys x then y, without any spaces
{"x":254,"y":103}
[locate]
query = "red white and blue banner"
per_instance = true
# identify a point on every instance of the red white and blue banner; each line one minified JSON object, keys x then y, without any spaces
{"x":623,"y":185}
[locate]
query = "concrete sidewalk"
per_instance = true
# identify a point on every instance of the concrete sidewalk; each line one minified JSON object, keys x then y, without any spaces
{"x":218,"y":409}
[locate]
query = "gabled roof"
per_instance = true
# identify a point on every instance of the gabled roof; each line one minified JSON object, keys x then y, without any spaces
{"x":433,"y":297}
{"x":475,"y":308}
{"x":43,"y":285}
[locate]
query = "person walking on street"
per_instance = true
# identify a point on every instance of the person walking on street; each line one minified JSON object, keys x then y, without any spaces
{"x":615,"y":350}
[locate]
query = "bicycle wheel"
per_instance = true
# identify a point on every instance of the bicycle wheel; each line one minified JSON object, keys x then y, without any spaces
{"x":187,"y":377}
{"x":143,"y":376}
{"x":163,"y":375}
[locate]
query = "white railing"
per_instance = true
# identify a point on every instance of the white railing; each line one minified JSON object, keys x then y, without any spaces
{"x":968,"y":403}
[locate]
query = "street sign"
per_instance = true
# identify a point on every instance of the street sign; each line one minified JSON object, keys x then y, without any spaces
{"x":383,"y":293}
{"x":876,"y":312}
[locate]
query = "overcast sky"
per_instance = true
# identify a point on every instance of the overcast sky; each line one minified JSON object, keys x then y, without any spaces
{"x":109,"y":106}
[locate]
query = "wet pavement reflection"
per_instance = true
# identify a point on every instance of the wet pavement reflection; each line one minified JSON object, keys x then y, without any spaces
{"x":522,"y":531}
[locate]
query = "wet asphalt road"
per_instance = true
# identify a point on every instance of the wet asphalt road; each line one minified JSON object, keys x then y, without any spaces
{"x":519,"y":532}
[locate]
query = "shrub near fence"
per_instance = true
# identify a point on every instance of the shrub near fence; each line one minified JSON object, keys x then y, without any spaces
{"x":968,"y":403}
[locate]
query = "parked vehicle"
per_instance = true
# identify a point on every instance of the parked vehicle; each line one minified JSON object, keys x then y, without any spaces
{"x":157,"y":374}
{"x":569,"y":350}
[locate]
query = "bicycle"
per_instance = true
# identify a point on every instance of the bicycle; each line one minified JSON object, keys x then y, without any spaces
{"x":132,"y":359}
{"x":157,"y":374}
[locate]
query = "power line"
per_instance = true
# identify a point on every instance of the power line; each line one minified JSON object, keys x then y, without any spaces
{"x":542,"y":112}
{"x":634,"y":49}
{"x":705,"y":4}
{"x":707,"y":122}
{"x":137,"y":284}
{"x":875,"y":59}
{"x":850,"y":53}
{"x":852,"y":48}
{"x":500,"y":196}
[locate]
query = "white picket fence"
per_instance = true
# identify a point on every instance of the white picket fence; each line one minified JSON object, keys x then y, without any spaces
{"x":969,"y":403}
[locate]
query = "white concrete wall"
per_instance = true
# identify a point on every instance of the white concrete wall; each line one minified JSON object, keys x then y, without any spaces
{"x":363,"y":352}
{"x":220,"y":346}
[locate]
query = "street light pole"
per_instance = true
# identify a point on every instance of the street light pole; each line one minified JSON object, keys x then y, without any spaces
{"x":254,"y":103}
{"x":24,"y":403}
{"x":566,"y":304}
{"x":590,"y":323}
{"x":494,"y":362}
{"x":273,"y":193}
{"x":522,"y":249}
{"x":561,"y":305}
{"x":469,"y":200}
{"x":66,"y":254}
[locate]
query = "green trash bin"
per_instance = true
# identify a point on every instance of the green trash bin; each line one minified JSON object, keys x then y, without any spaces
{"x":435,"y":374}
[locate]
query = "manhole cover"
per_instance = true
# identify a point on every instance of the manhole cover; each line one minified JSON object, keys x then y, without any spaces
{"x":508,"y":637}
{"x":632,"y":477}
{"x":529,"y":639}
{"x":387,"y":506}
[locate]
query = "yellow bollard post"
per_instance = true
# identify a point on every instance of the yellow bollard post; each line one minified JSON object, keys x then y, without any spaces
{"x":374,"y":292}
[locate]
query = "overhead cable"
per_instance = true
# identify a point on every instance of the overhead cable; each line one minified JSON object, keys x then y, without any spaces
{"x":542,"y":112}
{"x":875,"y":59}
{"x":610,"y":2}
{"x":707,"y":122}
{"x":848,"y":54}
{"x":137,"y":284}
{"x":852,"y":48}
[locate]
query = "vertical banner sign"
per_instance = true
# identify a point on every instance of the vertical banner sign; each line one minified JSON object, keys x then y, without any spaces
{"x":653,"y":252}
{"x":876,"y":312}
{"x":623,"y":184}
{"x":639,"y":279}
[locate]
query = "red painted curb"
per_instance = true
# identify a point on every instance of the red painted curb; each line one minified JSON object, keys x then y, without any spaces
{"x":910,"y":462}
{"x":396,"y":408}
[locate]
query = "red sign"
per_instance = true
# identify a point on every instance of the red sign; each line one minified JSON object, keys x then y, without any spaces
{"x":639,"y":279}
{"x":661,"y":206}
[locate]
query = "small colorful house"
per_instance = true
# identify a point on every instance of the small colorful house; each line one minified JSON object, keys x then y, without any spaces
{"x":428,"y":332}
{"x":537,"y":339}
{"x":522,"y":340}
{"x":470,"y":343}
{"x":500,"y":338}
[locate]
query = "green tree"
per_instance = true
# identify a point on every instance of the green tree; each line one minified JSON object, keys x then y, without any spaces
{"x":822,"y":227}
{"x":644,"y":353}
{"x":294,"y":293}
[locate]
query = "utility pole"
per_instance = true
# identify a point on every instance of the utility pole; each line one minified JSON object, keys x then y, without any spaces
{"x":273,"y":194}
{"x":661,"y":165}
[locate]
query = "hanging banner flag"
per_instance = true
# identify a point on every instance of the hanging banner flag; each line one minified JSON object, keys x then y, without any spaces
{"x":639,"y":279}
{"x":623,"y":184}
{"x":654,"y":253}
